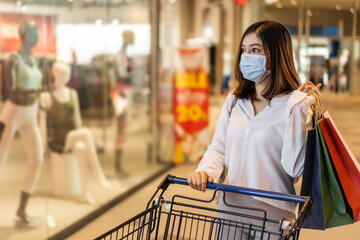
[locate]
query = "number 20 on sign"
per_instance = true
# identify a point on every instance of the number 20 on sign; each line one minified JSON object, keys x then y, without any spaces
{"x":191,"y":113}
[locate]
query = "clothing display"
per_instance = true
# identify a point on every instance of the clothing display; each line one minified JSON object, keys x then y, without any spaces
{"x":27,"y":80}
{"x":60,"y":122}
{"x":272,"y":150}
{"x":123,"y":68}
{"x":27,"y":77}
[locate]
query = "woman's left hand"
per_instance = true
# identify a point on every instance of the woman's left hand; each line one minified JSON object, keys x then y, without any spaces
{"x":307,"y":85}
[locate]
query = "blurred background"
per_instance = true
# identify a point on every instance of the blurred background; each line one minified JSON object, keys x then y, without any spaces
{"x":151,"y":76}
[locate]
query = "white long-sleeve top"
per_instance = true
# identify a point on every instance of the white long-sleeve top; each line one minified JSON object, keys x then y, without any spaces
{"x":264,"y":151}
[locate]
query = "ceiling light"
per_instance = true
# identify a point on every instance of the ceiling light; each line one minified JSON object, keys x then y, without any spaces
{"x":293,"y":2}
{"x":338,"y":7}
{"x":278,"y":5}
{"x":270,"y":1}
{"x":352,"y":10}
{"x":115,"y":22}
{"x":309,"y":13}
{"x":70,"y":0}
{"x":98,"y":21}
{"x":24,"y":8}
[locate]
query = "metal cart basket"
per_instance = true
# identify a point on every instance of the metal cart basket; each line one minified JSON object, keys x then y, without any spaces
{"x":184,"y":217}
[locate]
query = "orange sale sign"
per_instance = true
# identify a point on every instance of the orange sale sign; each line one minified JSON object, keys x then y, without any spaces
{"x":191,"y":104}
{"x":192,"y":100}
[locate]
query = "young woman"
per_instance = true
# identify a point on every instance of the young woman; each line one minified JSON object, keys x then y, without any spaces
{"x":260,"y":135}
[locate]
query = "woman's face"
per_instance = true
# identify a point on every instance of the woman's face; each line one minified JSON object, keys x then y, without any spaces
{"x":252,"y":45}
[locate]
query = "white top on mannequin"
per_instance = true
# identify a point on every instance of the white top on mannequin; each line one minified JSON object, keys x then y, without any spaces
{"x":61,"y":73}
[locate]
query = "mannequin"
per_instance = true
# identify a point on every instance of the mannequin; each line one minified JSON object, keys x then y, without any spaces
{"x":120,"y":95}
{"x":64,"y":131}
{"x":20,"y":111}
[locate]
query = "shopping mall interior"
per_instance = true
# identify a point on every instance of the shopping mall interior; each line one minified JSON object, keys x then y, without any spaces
{"x":123,"y":92}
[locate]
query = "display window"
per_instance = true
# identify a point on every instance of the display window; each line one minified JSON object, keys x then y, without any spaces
{"x":75,"y":112}
{"x":324,"y":41}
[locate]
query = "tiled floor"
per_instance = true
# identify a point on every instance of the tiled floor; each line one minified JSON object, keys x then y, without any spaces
{"x":344,"y":110}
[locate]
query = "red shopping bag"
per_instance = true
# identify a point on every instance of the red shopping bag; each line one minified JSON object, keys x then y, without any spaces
{"x":345,"y":163}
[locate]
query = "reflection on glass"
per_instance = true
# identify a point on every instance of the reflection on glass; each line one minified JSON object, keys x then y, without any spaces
{"x":66,"y":137}
{"x":93,"y":59}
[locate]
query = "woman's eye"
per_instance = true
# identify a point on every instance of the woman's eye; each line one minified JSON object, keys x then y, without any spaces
{"x":243,"y":50}
{"x":255,"y":50}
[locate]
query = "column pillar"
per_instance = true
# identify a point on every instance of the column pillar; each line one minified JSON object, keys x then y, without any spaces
{"x":154,"y":66}
{"x":354,"y":86}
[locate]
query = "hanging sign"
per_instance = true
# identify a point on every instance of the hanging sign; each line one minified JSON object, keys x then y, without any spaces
{"x":191,"y":103}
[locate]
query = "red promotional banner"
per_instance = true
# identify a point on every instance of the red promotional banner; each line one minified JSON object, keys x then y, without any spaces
{"x":191,"y":104}
{"x":192,"y":100}
{"x":241,"y":2}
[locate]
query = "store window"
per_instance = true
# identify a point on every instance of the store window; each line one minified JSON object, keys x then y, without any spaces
{"x":74,"y":115}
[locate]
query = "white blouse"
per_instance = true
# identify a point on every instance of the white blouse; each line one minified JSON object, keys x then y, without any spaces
{"x":264,"y":151}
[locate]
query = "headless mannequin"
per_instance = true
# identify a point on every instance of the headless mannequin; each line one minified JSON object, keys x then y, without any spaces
{"x":20,"y":112}
{"x":120,"y":98}
{"x":77,"y":139}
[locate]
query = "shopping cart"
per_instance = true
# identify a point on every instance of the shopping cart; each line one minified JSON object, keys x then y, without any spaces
{"x":185,"y":217}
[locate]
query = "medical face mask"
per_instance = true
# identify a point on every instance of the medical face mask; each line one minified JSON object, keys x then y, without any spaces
{"x":252,"y":67}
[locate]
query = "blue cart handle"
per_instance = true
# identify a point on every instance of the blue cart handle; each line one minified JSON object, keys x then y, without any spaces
{"x":242,"y":190}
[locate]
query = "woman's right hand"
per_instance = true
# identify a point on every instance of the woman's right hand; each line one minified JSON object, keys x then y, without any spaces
{"x":199,"y":180}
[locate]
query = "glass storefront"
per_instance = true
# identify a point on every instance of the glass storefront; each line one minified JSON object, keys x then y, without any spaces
{"x":86,"y":65}
{"x":323,"y":39}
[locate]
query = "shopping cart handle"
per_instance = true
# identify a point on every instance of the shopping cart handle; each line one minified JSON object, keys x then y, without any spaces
{"x":242,"y":190}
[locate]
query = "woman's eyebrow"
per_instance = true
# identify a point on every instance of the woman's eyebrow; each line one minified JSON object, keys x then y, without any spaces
{"x":253,"y":45}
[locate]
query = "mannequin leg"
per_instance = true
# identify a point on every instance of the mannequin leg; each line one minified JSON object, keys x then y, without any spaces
{"x":84,"y":135}
{"x":120,"y":140}
{"x":118,"y":155}
{"x":80,"y":152}
{"x":21,"y":213}
{"x":34,"y":149}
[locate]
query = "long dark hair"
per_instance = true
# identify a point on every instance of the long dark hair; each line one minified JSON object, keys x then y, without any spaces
{"x":278,"y":49}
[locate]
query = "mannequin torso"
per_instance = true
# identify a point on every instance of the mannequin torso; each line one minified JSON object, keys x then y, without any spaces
{"x":28,"y":75}
{"x":64,"y":130}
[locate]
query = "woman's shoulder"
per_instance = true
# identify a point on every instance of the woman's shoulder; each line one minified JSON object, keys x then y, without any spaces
{"x":231,"y":99}
{"x":300,"y":101}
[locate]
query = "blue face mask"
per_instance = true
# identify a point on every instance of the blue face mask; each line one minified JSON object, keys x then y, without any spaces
{"x":252,"y":66}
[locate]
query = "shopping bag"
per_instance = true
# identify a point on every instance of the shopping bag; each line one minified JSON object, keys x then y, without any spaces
{"x":320,"y":181}
{"x":335,"y":206}
{"x":345,"y":163}
{"x":311,"y":182}
{"x":329,"y":207}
